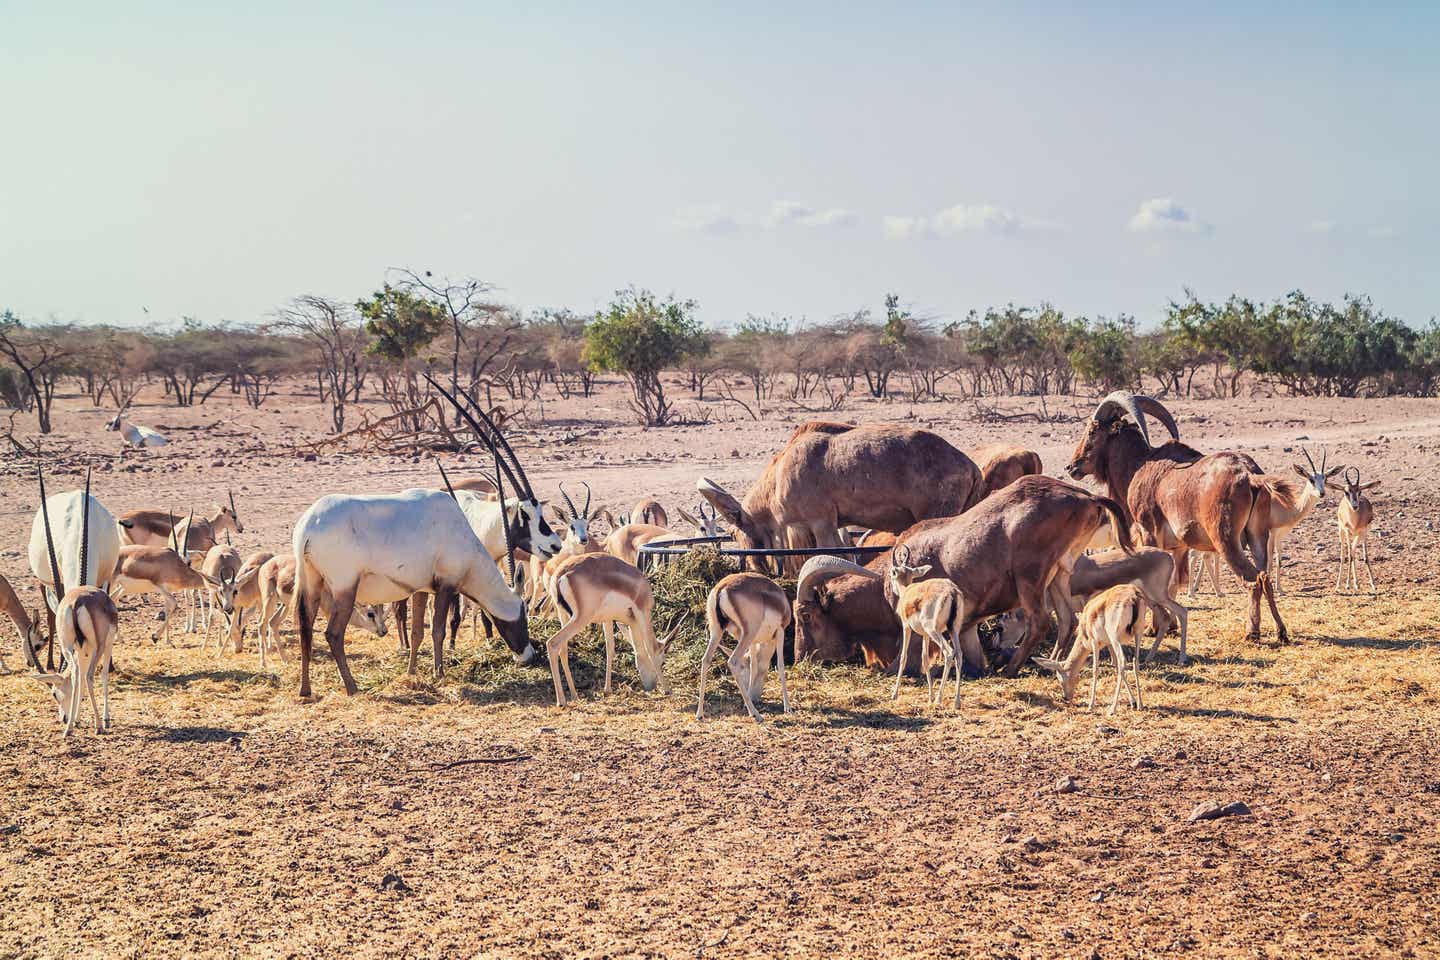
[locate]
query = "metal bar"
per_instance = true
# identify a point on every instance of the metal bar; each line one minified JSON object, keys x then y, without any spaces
{"x":681,"y":546}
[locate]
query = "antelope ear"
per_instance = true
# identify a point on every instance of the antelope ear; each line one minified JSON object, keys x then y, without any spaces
{"x":54,"y":679}
{"x":127,"y":524}
{"x":209,"y":579}
{"x":1332,"y":471}
{"x":1335,"y":487}
{"x":687,"y":518}
{"x":1045,"y":663}
{"x":722,"y":501}
{"x":923,"y":570}
{"x":1371,"y":485}
{"x":1300,"y":471}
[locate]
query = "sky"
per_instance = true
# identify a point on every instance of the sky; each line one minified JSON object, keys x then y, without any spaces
{"x":799,"y":159}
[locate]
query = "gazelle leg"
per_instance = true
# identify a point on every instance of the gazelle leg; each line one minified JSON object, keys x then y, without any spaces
{"x":900,"y":661}
{"x":780,"y":669}
{"x":969,"y":644}
{"x":1094,"y":670}
{"x":925,"y":667}
{"x":105,"y":683}
{"x":742,"y":678}
{"x":710,"y":646}
{"x":558,"y":646}
{"x":608,"y":629}
{"x":569,"y":677}
{"x":1365,"y":552}
{"x":1117,"y":653}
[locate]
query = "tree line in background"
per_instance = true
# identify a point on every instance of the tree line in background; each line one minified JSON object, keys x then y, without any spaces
{"x":453,"y":331}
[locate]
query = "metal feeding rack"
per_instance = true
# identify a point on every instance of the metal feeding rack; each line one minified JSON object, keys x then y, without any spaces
{"x":678,"y":546}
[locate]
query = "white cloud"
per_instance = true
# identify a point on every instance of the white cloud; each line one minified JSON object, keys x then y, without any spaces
{"x":713,"y":218}
{"x":963,"y":218}
{"x":1163,"y":213}
{"x":706,"y":218}
{"x":1377,"y":231}
{"x":1321,"y":226}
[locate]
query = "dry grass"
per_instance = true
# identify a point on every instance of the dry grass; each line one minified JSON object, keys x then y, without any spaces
{"x":224,"y":817}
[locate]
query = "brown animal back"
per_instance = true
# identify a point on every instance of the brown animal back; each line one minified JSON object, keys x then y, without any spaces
{"x":1001,"y":464}
{"x":761,"y":588}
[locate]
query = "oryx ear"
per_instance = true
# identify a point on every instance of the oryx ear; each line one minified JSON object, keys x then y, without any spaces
{"x":1045,"y":663}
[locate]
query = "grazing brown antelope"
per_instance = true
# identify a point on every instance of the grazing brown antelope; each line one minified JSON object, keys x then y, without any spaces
{"x":1109,"y":620}
{"x":28,"y":625}
{"x":625,"y":542}
{"x":1353,"y":518}
{"x":598,"y":588}
{"x":934,"y":610}
{"x":220,"y":566}
{"x":247,"y":598}
{"x":145,"y":568}
{"x":753,"y":610}
{"x":200,"y":534}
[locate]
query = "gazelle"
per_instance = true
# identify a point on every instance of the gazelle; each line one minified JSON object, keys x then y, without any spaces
{"x":598,"y":588}
{"x":1109,"y":620}
{"x":1353,"y":518}
{"x":220,"y":568}
{"x":28,"y":625}
{"x":144,"y":568}
{"x":755,"y":611}
{"x":625,"y":542}
{"x":934,"y":610}
{"x":246,"y":597}
{"x":380,"y":549}
{"x":133,"y":434}
{"x":275,"y":579}
{"x":159,"y":527}
{"x":86,"y":623}
{"x":1291,"y":502}
{"x":706,"y":525}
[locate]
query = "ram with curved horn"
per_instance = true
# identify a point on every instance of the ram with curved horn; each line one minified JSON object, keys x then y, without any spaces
{"x":1004,"y":553}
{"x":879,"y":476}
{"x":1179,"y":499}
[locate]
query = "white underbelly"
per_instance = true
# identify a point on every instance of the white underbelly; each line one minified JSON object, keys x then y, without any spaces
{"x":374,"y":589}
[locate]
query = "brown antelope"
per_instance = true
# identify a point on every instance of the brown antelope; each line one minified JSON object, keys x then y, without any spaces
{"x":86,"y":623}
{"x":598,"y":588}
{"x":158,"y":527}
{"x":648,"y":510}
{"x":933,"y":610}
{"x":705,"y":524}
{"x":221,"y":566}
{"x":1179,"y":499}
{"x":1352,"y":519}
{"x":1001,"y":464}
{"x":247,"y":598}
{"x":754,"y":611}
{"x":275,"y":579}
{"x":1108,"y":621}
{"x":28,"y":625}
{"x":625,"y":542}
{"x":145,"y":568}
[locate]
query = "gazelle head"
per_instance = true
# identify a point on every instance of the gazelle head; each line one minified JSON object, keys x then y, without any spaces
{"x":651,"y":662}
{"x":902,"y":573}
{"x":229,"y":517}
{"x":577,"y":522}
{"x":1066,"y":671}
{"x":1352,"y":489}
{"x":369,"y":617}
{"x":1316,"y":476}
{"x":708,"y":525}
{"x":62,"y":690}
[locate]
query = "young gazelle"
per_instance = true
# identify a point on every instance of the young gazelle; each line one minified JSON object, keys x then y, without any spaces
{"x":598,"y":588}
{"x":754,"y":611}
{"x":1353,"y":518}
{"x":28,"y":625}
{"x":935,"y":610}
{"x":1109,"y":620}
{"x":144,"y":568}
{"x":648,"y":510}
{"x":276,"y":581}
{"x":221,"y":567}
{"x":705,"y":524}
{"x":247,"y":598}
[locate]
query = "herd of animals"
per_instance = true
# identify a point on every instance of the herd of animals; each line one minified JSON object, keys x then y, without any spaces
{"x":962,"y":537}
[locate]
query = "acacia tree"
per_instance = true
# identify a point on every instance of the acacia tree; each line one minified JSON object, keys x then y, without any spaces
{"x":330,"y":328}
{"x":639,"y":336}
{"x":480,"y":330}
{"x":40,"y":356}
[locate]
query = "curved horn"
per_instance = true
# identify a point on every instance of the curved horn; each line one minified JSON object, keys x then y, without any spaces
{"x":233,"y":512}
{"x":1157,"y":410}
{"x":174,"y":537}
{"x":817,"y":570}
{"x":1118,"y":403}
{"x":902,"y":555}
{"x":1309,"y":460}
{"x":568,"y":502}
{"x":449,"y":489}
{"x":1356,"y":481}
{"x":50,"y":538}
{"x":85,"y":530}
{"x":588,"y":494}
{"x":1324,"y":456}
{"x":505,"y":522}
{"x":184,"y":550}
{"x":483,"y":435}
{"x":499,"y":437}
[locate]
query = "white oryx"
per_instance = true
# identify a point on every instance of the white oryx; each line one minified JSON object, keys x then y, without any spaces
{"x":100,"y":540}
{"x":133,"y":434}
{"x":382,"y":549}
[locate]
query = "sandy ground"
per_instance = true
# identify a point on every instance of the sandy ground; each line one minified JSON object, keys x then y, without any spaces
{"x":223,"y":817}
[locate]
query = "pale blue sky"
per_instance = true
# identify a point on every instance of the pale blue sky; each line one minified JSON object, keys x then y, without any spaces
{"x":216,"y":162}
